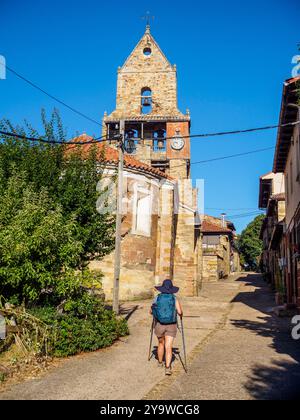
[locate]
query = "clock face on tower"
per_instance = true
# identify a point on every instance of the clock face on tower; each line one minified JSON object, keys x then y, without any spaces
{"x":177,"y":143}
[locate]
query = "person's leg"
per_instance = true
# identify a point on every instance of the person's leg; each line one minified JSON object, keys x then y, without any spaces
{"x":169,"y":350}
{"x":161,"y":349}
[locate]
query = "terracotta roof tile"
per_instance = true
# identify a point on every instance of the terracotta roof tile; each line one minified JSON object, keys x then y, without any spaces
{"x":211,"y":224}
{"x":111,"y":155}
{"x":210,"y":227}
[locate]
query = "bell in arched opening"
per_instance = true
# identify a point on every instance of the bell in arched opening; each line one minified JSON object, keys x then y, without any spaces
{"x":130,"y":141}
{"x":161,"y":140}
{"x":146,"y":100}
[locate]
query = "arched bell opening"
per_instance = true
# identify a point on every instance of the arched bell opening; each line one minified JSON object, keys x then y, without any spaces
{"x":146,"y":101}
{"x":131,"y":140}
{"x":159,"y":140}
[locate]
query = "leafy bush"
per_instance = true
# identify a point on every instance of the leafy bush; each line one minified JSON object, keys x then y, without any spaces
{"x":36,"y":243}
{"x":84,"y":325}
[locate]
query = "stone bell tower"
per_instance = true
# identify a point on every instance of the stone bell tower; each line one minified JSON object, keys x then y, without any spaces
{"x":156,"y":132}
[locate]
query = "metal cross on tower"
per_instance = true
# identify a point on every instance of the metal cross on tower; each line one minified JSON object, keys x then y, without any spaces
{"x":147,"y":17}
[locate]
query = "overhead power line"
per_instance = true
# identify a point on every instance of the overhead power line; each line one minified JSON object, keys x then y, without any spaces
{"x":242,"y":215}
{"x":71,"y":108}
{"x":103,"y":139}
{"x":9,"y":134}
{"x":232,"y":156}
{"x":226,"y":133}
{"x":43,"y":140}
{"x":231,"y":209}
{"x":251,"y":152}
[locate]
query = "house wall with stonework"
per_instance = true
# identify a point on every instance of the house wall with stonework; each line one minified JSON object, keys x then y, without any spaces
{"x":210,"y":267}
{"x":216,"y":262}
{"x":165,"y":235}
{"x":236,"y":261}
{"x":292,"y":177}
{"x":146,"y":256}
{"x":186,"y":253}
{"x":220,"y":257}
{"x":225,"y":251}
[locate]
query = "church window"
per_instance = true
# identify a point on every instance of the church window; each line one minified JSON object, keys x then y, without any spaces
{"x":142,"y":202}
{"x":146,"y":101}
{"x":147,"y":51}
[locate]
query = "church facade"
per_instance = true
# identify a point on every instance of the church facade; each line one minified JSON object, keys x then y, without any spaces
{"x":161,"y":228}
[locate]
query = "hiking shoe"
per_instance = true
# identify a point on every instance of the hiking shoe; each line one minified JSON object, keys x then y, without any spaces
{"x":168,"y":371}
{"x":160,"y":364}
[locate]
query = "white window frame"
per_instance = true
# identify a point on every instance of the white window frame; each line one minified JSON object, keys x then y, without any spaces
{"x":138,"y":193}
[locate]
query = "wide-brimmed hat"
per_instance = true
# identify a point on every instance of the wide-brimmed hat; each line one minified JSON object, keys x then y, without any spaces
{"x":167,"y":287}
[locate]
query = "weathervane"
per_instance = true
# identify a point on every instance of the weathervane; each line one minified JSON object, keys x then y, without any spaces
{"x":147,"y":17}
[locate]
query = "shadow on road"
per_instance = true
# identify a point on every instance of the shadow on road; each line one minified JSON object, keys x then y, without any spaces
{"x":279,"y":380}
{"x":176,"y":355}
{"x":128,"y":311}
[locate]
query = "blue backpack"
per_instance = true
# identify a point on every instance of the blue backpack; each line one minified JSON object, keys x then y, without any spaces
{"x":164,"y":309}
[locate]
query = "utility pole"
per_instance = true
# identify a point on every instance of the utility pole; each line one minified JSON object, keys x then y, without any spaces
{"x":119,"y":220}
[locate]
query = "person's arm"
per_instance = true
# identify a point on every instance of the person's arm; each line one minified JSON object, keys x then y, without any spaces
{"x":179,"y":308}
{"x":153,"y":303}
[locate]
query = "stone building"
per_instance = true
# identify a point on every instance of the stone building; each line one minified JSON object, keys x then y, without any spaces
{"x":272,"y":199}
{"x":280,"y":196}
{"x":220,"y":257}
{"x":161,"y":228}
{"x":287,"y":162}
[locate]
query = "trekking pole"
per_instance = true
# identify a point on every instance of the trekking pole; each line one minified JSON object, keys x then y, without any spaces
{"x":183,"y":344}
{"x":151,"y":338}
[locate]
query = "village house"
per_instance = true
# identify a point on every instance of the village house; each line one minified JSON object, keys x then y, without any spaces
{"x":219,"y":254}
{"x":280,"y":196}
{"x":287,"y":162}
{"x":161,"y":227}
{"x":272,"y":199}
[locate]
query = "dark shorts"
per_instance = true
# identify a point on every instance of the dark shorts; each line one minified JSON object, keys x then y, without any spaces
{"x":169,"y":330}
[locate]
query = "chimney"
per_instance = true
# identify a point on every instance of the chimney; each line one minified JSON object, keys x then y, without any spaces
{"x":223,"y":215}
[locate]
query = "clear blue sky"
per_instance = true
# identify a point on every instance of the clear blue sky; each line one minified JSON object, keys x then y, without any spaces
{"x":232,"y":59}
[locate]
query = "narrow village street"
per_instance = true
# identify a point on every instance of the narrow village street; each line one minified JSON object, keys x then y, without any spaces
{"x":237,"y":349}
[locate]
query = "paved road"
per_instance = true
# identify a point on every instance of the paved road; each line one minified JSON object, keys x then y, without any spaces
{"x":251,"y":357}
{"x":236,"y":350}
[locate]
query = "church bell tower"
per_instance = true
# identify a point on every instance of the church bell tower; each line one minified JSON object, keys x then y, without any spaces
{"x":156,"y":132}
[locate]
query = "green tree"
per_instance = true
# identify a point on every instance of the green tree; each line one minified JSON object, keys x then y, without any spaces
{"x":37,"y":246}
{"x":48,"y":218}
{"x":49,"y":231}
{"x":249,"y":244}
{"x":77,"y":194}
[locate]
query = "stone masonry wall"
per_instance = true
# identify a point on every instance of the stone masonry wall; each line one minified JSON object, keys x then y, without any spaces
{"x":146,"y":71}
{"x":139,"y":269}
{"x":185,"y":263}
{"x":210,"y":268}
